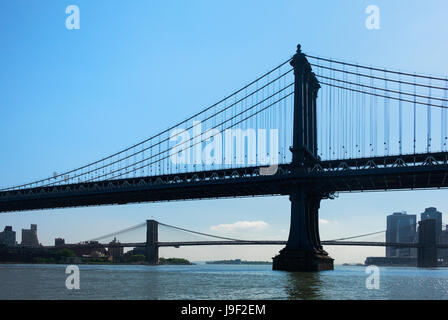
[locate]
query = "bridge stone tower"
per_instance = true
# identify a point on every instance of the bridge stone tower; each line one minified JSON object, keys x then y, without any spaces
{"x":152,"y":235}
{"x":303,"y":251}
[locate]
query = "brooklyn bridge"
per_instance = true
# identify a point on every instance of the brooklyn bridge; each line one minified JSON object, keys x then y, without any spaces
{"x":309,"y":128}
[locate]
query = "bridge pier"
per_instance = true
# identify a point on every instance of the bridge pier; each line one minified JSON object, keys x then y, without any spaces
{"x":152,"y":235}
{"x":427,"y":250}
{"x":303,"y":251}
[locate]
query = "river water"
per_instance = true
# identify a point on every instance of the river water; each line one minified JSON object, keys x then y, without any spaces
{"x":218,"y":282}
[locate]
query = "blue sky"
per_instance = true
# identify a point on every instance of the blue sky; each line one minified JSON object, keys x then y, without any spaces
{"x":69,"y":97}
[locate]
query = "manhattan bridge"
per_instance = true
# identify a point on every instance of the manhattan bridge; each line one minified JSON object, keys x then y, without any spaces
{"x":339,"y":127}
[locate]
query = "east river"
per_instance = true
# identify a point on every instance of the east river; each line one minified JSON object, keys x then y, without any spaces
{"x":203,"y":281}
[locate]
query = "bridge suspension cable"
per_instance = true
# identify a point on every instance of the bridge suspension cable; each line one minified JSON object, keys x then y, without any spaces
{"x":412,"y":227}
{"x":387,"y":90}
{"x":358,"y":236}
{"x":350,"y":125}
{"x":140,"y":225}
{"x":252,"y":97}
{"x":397,"y":119}
{"x":190,"y":140}
{"x":383,"y":96}
{"x":376,"y":69}
{"x":200,"y":233}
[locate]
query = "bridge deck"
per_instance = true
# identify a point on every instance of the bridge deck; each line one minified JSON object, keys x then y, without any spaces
{"x":420,"y":171}
{"x":241,"y":243}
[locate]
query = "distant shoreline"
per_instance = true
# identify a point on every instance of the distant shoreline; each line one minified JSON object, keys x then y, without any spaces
{"x":101,"y":263}
{"x":162,"y":262}
{"x":238,"y":262}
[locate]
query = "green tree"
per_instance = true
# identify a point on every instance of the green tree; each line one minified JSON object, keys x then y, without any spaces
{"x":66,"y":253}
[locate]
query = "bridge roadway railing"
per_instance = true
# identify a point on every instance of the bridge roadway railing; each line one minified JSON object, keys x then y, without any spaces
{"x":369,"y":163}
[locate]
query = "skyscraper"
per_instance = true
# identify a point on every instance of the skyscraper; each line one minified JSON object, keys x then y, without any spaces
{"x":443,"y":253}
{"x":401,"y":227}
{"x":432,"y":213}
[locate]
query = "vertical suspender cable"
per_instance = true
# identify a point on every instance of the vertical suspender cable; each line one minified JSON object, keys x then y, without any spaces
{"x":415,"y":115}
{"x":444,"y":118}
{"x":386,"y":117}
{"x":428,"y":125}
{"x":331,"y":117}
{"x":357,"y":113}
{"x":400,"y":129}
{"x":344,"y":104}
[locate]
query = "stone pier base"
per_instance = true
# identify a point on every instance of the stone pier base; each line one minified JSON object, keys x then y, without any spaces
{"x":300,"y":260}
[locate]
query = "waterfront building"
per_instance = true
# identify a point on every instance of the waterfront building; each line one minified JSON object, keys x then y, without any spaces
{"x":59,"y":242}
{"x":443,"y":253}
{"x":87,"y":248}
{"x":8,"y":237}
{"x":391,"y":261}
{"x":29,"y":236}
{"x":115,"y":252}
{"x":401,"y":227}
{"x":432,"y":213}
{"x":98,"y":254}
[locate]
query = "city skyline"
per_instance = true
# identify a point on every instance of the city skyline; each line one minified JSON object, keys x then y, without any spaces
{"x":218,"y":230}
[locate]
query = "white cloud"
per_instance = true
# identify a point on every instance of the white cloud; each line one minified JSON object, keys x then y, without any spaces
{"x":241,"y":225}
{"x":323,"y":221}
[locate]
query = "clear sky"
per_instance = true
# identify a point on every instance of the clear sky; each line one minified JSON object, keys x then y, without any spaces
{"x":69,"y":97}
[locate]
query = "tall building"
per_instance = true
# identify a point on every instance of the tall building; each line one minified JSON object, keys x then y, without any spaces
{"x":8,"y":237}
{"x":441,"y":236}
{"x":443,"y":253}
{"x":59,"y":242}
{"x":432,"y":213}
{"x":401,"y":227}
{"x":29,"y":236}
{"x":115,"y":251}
